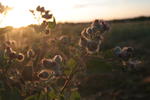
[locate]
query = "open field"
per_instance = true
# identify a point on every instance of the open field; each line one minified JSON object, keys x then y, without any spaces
{"x":108,"y":77}
{"x":104,"y":77}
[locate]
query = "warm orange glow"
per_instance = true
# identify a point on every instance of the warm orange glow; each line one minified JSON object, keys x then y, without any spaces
{"x":74,"y":10}
{"x":18,"y":18}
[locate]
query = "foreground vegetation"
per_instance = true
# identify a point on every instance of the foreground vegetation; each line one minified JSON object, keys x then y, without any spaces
{"x":84,"y":61}
{"x":103,"y":77}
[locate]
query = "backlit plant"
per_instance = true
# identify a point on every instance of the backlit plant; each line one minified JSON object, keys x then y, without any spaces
{"x":45,"y":18}
{"x":53,"y":69}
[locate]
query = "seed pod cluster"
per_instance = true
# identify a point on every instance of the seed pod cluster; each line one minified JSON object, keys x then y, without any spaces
{"x":40,"y":9}
{"x":11,"y":43}
{"x":20,"y":57}
{"x":53,"y":64}
{"x":13,"y":55}
{"x":45,"y":17}
{"x":134,"y":63}
{"x":45,"y":74}
{"x":30,"y":53}
{"x":124,"y":53}
{"x":92,"y":37}
{"x":45,"y":13}
{"x":64,"y":40}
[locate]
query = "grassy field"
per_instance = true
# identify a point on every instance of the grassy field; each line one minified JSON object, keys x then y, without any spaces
{"x":104,"y":78}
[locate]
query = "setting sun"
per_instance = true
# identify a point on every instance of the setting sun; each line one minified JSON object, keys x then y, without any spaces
{"x":18,"y":18}
{"x":74,"y":49}
{"x":73,"y":10}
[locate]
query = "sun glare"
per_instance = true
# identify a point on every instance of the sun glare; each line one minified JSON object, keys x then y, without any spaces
{"x":18,"y":18}
{"x":72,"y":10}
{"x":19,"y":15}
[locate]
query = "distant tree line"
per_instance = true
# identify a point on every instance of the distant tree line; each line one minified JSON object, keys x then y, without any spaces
{"x":140,"y":18}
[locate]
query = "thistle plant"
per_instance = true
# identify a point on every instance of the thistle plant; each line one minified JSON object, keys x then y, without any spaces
{"x":33,"y":73}
{"x":45,"y":18}
{"x":92,"y":37}
{"x":30,"y":53}
{"x":127,"y":57}
{"x":53,"y":69}
{"x":53,"y":64}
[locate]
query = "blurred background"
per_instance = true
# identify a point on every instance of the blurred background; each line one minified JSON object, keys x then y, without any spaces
{"x":75,"y":10}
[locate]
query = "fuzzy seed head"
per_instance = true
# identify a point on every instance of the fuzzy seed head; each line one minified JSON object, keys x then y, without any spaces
{"x":47,"y":16}
{"x":20,"y":57}
{"x":45,"y":74}
{"x":92,"y":37}
{"x":117,"y":51}
{"x":8,"y":50}
{"x":89,"y":30}
{"x":82,"y":42}
{"x":64,"y":40}
{"x":93,"y":46}
{"x":30,"y":53}
{"x":13,"y":55}
{"x":58,"y":58}
{"x":11,"y":43}
{"x":48,"y":62}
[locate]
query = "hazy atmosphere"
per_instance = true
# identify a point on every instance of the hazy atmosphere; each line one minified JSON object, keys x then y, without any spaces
{"x":74,"y":49}
{"x":75,"y":10}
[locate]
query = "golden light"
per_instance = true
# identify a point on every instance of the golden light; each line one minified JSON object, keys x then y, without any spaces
{"x":19,"y":15}
{"x":73,"y":10}
{"x":18,"y":18}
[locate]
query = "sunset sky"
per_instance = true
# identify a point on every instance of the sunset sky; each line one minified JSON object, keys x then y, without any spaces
{"x":75,"y":10}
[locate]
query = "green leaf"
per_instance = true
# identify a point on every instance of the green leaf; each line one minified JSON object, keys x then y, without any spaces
{"x":61,"y":97}
{"x":52,"y":95}
{"x":71,"y":63}
{"x":52,"y":24}
{"x":32,"y":97}
{"x":75,"y":96}
{"x":67,"y":72}
{"x":42,"y":96}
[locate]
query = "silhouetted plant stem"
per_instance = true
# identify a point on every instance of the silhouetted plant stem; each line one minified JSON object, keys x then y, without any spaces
{"x":69,"y":79}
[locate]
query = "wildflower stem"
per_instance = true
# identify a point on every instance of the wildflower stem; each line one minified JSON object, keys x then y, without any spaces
{"x":69,"y":79}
